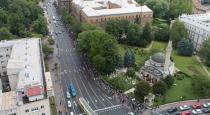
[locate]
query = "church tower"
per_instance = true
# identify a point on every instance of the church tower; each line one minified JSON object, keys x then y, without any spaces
{"x":167,"y":57}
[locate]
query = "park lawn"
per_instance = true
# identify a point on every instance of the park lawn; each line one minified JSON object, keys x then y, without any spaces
{"x":182,"y":89}
{"x":188,"y":65}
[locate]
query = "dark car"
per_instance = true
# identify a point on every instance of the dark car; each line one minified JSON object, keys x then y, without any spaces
{"x":172,"y":110}
{"x":206,"y":110}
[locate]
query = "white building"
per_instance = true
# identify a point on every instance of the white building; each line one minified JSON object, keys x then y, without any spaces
{"x":198,"y":26}
{"x":22,"y":63}
{"x":158,"y":66}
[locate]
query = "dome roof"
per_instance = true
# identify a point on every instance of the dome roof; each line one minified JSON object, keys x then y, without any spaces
{"x":158,"y":57}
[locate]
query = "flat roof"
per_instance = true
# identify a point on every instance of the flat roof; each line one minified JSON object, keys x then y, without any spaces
{"x":117,"y":11}
{"x":94,"y":8}
{"x":7,"y":100}
{"x":198,"y":20}
{"x":26,"y":58}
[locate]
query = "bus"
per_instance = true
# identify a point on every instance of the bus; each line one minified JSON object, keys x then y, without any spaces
{"x":85,"y":107}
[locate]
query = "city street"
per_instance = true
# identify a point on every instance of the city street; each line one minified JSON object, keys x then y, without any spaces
{"x":74,"y":69}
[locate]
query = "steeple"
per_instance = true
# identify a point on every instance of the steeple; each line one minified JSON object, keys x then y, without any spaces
{"x":167,"y":56}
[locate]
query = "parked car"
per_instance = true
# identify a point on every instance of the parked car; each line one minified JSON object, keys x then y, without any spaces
{"x":68,"y":96}
{"x":197,"y":106}
{"x":206,"y":110}
{"x":130,"y":113}
{"x":206,"y":105}
{"x":69,"y":103}
{"x":71,"y":113}
{"x":186,"y":113}
{"x":172,"y":110}
{"x":196,"y":111}
{"x":184,"y":107}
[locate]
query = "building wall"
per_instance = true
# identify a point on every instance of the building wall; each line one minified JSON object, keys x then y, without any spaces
{"x":102,"y":20}
{"x":4,"y":57}
{"x":197,"y":35}
{"x":64,"y":4}
{"x":41,"y":107}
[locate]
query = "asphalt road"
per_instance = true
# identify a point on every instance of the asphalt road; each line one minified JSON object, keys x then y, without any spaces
{"x":74,"y":69}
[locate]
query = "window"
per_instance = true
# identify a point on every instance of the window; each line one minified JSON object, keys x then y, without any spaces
{"x":26,"y":110}
{"x":34,"y":109}
{"x":42,"y":106}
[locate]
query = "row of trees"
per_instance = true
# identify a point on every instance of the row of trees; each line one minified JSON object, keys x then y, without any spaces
{"x":131,"y":34}
{"x":20,"y":18}
{"x":159,"y":88}
{"x":169,"y":9}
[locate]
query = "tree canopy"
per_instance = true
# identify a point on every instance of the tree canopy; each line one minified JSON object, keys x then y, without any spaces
{"x":142,"y":89}
{"x":159,"y":88}
{"x":178,"y":31}
{"x":101,"y":48}
{"x":18,"y":16}
{"x":159,"y":7}
{"x":204,"y":52}
{"x":185,"y":47}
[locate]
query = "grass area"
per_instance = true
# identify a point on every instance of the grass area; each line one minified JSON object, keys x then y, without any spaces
{"x":188,"y":65}
{"x":35,"y":35}
{"x":182,"y":91}
{"x":53,"y":106}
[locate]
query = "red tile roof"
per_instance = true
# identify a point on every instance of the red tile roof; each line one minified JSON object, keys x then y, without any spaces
{"x":34,"y":91}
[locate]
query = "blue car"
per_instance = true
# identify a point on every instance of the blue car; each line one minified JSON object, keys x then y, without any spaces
{"x":72,"y":90}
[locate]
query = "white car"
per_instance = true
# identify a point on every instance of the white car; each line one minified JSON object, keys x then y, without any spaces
{"x":206,"y":105}
{"x":196,"y":111}
{"x":69,"y":103}
{"x":71,"y":113}
{"x":184,"y":107}
{"x":130,"y":113}
{"x":68,"y":96}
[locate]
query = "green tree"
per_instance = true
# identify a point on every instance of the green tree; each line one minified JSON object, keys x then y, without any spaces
{"x":178,"y":7}
{"x":169,"y":80}
{"x":178,"y":31}
{"x":204,"y":52}
{"x":201,"y":86}
{"x":89,"y":26}
{"x":117,"y":27}
{"x":142,"y":89}
{"x":133,"y":34}
{"x":101,"y":48}
{"x":161,"y":30}
{"x":3,"y":18}
{"x":5,"y":34}
{"x":160,"y":88}
{"x":47,"y":51}
{"x":185,"y":47}
{"x":159,"y":7}
{"x":40,"y":26}
{"x":130,"y":72}
{"x":147,"y":34}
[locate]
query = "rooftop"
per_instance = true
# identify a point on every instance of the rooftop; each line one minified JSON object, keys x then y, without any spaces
{"x":34,"y":91}
{"x":198,"y":20}
{"x":7,"y":100}
{"x":25,"y":57}
{"x":48,"y":81}
{"x":93,"y":8}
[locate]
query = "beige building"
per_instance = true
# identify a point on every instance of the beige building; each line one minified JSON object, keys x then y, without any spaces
{"x":101,"y":11}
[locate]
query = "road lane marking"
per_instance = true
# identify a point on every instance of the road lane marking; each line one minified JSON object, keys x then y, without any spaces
{"x":106,"y":108}
{"x":88,"y":94}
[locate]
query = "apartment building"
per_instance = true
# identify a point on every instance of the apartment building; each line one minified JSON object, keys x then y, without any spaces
{"x":23,"y":66}
{"x":198,"y":26}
